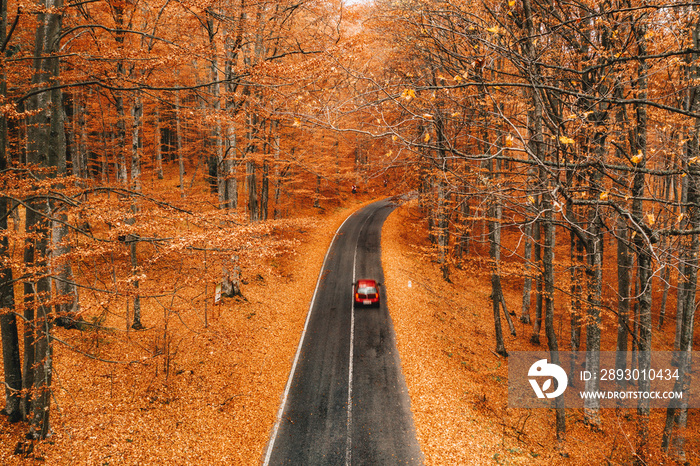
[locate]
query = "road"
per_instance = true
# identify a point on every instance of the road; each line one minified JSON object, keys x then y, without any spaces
{"x":346,"y":401}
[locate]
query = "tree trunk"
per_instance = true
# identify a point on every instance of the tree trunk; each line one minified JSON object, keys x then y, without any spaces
{"x":442,"y":215}
{"x":8,"y":321}
{"x":79,"y":168}
{"x":577,"y":281}
{"x":120,"y":145}
{"x":624,"y":266}
{"x":37,"y":354}
{"x":158,"y":142}
{"x":229,"y":166}
{"x":232,"y":47}
{"x":591,"y":408}
{"x":461,"y":249}
{"x":252,"y":191}
{"x":277,"y":172}
{"x":680,"y":289}
{"x":132,"y":241}
{"x":495,"y":255}
{"x":666,"y":280}
{"x":45,"y":148}
{"x":264,"y":190}
{"x":136,"y":115}
{"x":677,"y":413}
{"x":535,"y":153}
{"x":251,"y":183}
{"x":218,"y":158}
{"x":180,"y":155}
{"x":548,"y":279}
{"x":442,"y":226}
{"x":597,"y":150}
{"x":642,"y":246}
{"x":527,"y":281}
{"x":10,"y":340}
{"x":537,"y":324}
{"x":62,"y":270}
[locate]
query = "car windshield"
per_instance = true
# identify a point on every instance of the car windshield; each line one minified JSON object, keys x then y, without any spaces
{"x":367,"y":290}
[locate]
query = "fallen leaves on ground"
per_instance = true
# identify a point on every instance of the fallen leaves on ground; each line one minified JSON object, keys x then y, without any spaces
{"x":458,"y":384}
{"x":179,"y":393}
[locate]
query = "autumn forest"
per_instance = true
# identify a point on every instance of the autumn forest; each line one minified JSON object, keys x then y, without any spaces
{"x":172,"y":170}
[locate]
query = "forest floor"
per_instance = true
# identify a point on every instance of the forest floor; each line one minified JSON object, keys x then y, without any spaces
{"x":458,"y":384}
{"x":180,"y":393}
{"x":195,"y":395}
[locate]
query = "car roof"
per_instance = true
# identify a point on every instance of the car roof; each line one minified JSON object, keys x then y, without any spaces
{"x":366,"y":282}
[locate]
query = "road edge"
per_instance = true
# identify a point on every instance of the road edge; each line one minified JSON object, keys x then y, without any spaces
{"x":285,"y":394}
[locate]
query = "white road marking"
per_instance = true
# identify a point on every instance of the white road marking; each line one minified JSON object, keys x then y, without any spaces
{"x":285,"y":395}
{"x":348,"y":438}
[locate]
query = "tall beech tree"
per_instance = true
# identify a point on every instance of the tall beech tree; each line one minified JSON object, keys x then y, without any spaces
{"x":8,"y":320}
{"x":46,"y":151}
{"x":677,"y":413}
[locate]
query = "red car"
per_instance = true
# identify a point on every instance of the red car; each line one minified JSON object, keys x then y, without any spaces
{"x":367,"y":292}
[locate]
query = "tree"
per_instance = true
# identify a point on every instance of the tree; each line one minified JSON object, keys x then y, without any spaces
{"x":8,"y":320}
{"x":46,"y":151}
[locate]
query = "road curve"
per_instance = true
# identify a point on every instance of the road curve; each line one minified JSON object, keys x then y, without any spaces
{"x":346,"y":401}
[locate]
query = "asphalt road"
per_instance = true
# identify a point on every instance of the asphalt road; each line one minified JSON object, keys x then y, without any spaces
{"x":346,"y":401}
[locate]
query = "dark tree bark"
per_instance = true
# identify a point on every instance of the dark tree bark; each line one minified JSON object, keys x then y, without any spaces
{"x":527,"y":282}
{"x":180,"y":154}
{"x":595,"y":147}
{"x":251,"y":166}
{"x":61,"y":267}
{"x":132,"y":242}
{"x":494,"y":225}
{"x":624,"y":267}
{"x":442,"y":226}
{"x":232,"y":47}
{"x":252,"y":190}
{"x":8,"y":321}
{"x":537,"y":324}
{"x":548,"y":278}
{"x":215,"y":162}
{"x":461,"y":249}
{"x":37,"y":349}
{"x":45,"y":148}
{"x":677,"y":413}
{"x":158,"y":142}
{"x":642,"y":243}
{"x":666,"y":280}
{"x":442,"y":223}
{"x":278,"y":173}
{"x":62,"y":270}
{"x":136,"y":143}
{"x":265,"y":190}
